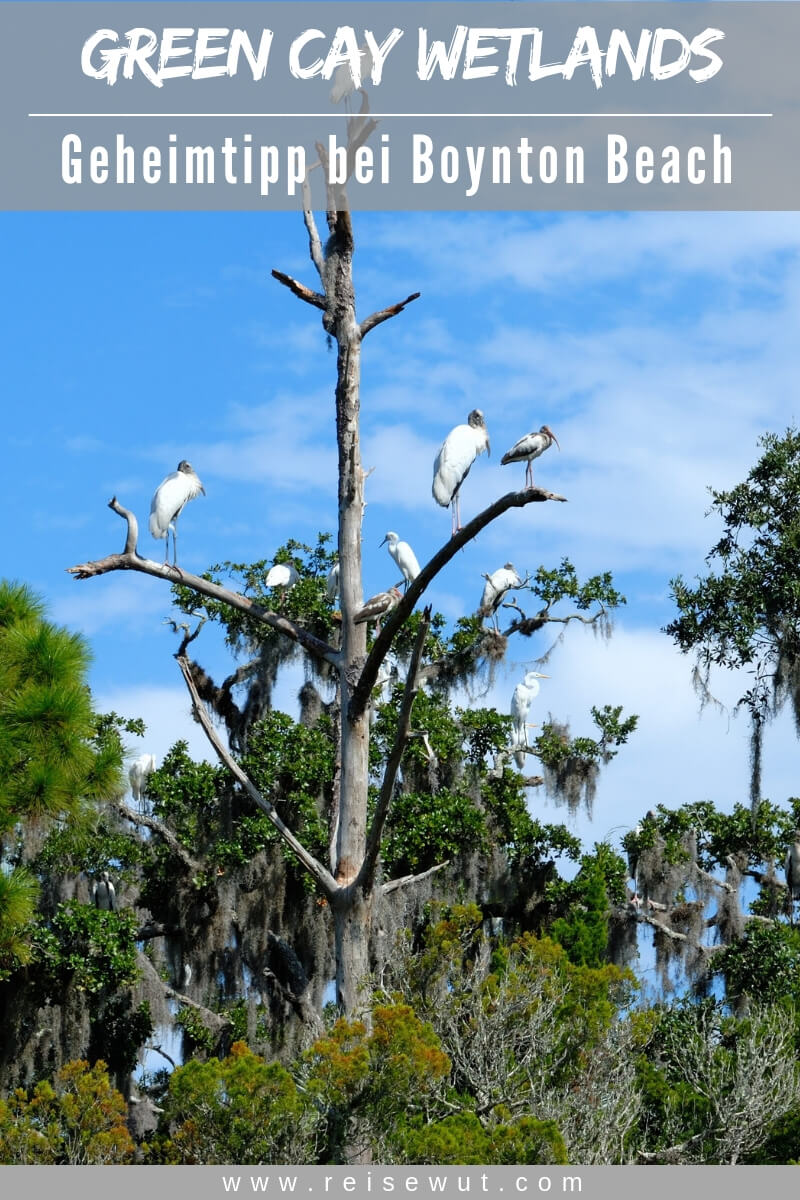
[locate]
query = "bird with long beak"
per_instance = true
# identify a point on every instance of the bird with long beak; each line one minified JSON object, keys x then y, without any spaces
{"x":456,"y":455}
{"x":528,"y":448}
{"x":378,"y":607}
{"x":404,"y":556}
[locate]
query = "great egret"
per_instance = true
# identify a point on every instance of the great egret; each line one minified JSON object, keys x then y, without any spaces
{"x":282,"y":575}
{"x":403,"y":555}
{"x":104,"y":894}
{"x":141,"y":768}
{"x":168,"y":502}
{"x":457,"y":454}
{"x":524,"y":695}
{"x":378,"y":606}
{"x":332,"y":583}
{"x":528,"y":448}
{"x":497,"y":584}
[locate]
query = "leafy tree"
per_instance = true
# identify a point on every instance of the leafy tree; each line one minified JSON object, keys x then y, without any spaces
{"x":745,"y":613}
{"x":78,"y":1120}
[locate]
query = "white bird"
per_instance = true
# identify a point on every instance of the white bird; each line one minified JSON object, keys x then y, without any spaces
{"x":524,"y":694}
{"x":792,"y":868}
{"x":343,"y":82}
{"x":332,"y":582}
{"x":103,"y":894}
{"x":528,"y":448}
{"x":168,"y":502}
{"x":378,"y":606}
{"x":141,"y":768}
{"x":497,"y":584}
{"x":282,"y":575}
{"x":457,"y":454}
{"x":403,"y":555}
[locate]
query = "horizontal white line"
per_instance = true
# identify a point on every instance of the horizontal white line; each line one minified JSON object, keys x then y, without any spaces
{"x":423,"y":116}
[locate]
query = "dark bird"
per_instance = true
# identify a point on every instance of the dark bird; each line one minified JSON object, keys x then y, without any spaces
{"x":104,"y":894}
{"x":457,"y":454}
{"x":378,"y":606}
{"x":528,"y":448}
{"x":168,"y":502}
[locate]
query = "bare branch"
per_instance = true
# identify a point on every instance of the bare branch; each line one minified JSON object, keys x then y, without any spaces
{"x":675,"y":936}
{"x":380,"y":648}
{"x":314,"y":868}
{"x":131,"y":561}
{"x":166,"y":835}
{"x":314,"y":243}
{"x":377,"y":318}
{"x":405,"y":880}
{"x":300,"y":290}
{"x":216,"y":1021}
{"x":367,"y":871}
{"x":133,"y":525}
{"x":146,"y":933}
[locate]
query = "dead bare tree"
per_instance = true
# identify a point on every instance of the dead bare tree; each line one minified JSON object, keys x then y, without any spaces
{"x":349,"y":882}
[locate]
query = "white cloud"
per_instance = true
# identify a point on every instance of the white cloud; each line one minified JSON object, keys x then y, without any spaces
{"x":167,"y":713}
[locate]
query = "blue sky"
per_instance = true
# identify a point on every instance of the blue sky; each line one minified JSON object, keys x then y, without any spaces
{"x":659,"y":347}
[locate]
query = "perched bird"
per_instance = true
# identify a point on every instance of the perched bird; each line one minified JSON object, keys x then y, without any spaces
{"x":792,"y":867}
{"x":378,"y":606}
{"x":282,"y":575}
{"x":332,"y":582}
{"x":457,"y":454}
{"x":497,"y":584}
{"x":141,"y":768}
{"x":104,"y":894}
{"x":168,"y":502}
{"x":528,"y":448}
{"x":403,"y":555}
{"x":343,"y":82}
{"x":524,"y":694}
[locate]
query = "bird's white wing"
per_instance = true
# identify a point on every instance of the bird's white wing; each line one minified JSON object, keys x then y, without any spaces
{"x":169,"y":499}
{"x":456,"y":456}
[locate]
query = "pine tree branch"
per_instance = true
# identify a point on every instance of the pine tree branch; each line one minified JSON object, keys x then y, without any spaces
{"x":300,"y":290}
{"x":366,"y":874}
{"x":166,"y":835}
{"x":131,"y":560}
{"x":385,"y":314}
{"x":323,"y":877}
{"x":369,"y":673}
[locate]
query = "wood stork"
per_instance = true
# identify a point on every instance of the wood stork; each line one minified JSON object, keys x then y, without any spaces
{"x":104,"y":894}
{"x":332,"y":583}
{"x":282,"y":575}
{"x":792,"y":868}
{"x":497,"y":584}
{"x":378,"y":606}
{"x":344,"y":83}
{"x":457,"y":454}
{"x":528,"y":448}
{"x":524,"y":695}
{"x":141,"y":768}
{"x":168,"y":502}
{"x":403,"y":555}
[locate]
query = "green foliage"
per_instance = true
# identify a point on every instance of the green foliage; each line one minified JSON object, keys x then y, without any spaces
{"x":90,"y":846}
{"x":91,"y":947}
{"x":462,"y":1140}
{"x":237,"y":1110}
{"x":197,"y":1037}
{"x":305,"y":603}
{"x":562,"y":584}
{"x":118,"y":1031}
{"x":746,"y":611}
{"x":421,"y":833}
{"x":18,"y":895}
{"x":764,"y":964}
{"x":52,"y":753}
{"x":78,"y":1120}
{"x":527,"y":841}
{"x":557,"y":751}
{"x":583,"y":932}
